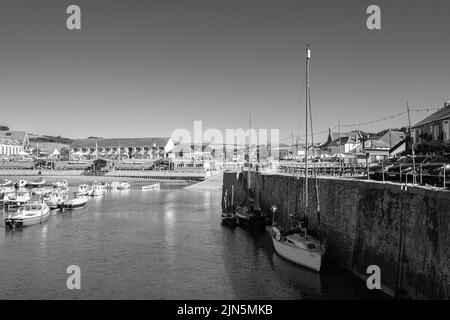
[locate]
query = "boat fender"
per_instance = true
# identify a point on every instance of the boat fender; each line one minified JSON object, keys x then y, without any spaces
{"x":277,"y":234}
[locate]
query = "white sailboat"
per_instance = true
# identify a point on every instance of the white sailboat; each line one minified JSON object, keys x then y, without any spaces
{"x":296,"y":245}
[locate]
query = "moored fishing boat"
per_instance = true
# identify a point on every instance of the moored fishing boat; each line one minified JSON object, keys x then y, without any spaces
{"x":75,"y":203}
{"x":61,"y":184}
{"x":17,"y":198}
{"x":115,"y":185}
{"x":97,"y":190}
{"x":34,"y":212}
{"x":247,"y":216}
{"x":56,"y":198}
{"x":105,"y":186}
{"x":84,"y":190}
{"x":228,"y":216}
{"x":21,"y":183}
{"x":124,"y":185}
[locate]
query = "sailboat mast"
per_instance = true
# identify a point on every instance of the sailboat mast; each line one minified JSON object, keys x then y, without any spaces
{"x":249,"y":146}
{"x":308,"y":56}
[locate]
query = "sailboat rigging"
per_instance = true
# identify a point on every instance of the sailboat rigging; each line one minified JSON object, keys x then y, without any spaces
{"x":295,"y":244}
{"x":228,"y":216}
{"x":249,"y":212}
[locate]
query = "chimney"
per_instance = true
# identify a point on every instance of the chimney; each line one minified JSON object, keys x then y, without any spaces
{"x":447,"y":104}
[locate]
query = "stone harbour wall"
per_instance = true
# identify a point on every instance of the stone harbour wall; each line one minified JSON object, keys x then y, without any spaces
{"x":366,"y":223}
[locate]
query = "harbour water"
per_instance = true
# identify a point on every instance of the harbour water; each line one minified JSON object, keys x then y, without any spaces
{"x":166,"y":244}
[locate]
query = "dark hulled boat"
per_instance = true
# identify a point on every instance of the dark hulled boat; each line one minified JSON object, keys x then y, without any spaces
{"x":229,"y":218}
{"x":247,"y":216}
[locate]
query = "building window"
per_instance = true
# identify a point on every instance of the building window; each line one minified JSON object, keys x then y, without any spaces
{"x":435,"y":132}
{"x":446,"y":129}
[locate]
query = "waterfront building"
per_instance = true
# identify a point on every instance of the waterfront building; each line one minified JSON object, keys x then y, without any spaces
{"x":343,"y":142}
{"x":13,"y":142}
{"x":432,"y":134}
{"x":122,"y":148}
{"x":391,"y":143}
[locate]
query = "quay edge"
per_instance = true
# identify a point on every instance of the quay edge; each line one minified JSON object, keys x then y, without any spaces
{"x":361,"y":221}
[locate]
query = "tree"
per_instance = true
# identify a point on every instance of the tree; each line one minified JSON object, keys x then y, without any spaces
{"x":64,"y":154}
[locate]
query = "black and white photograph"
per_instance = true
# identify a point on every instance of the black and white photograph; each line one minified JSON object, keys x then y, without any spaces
{"x":242,"y":151}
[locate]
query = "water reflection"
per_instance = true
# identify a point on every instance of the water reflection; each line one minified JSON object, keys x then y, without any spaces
{"x":167,"y":244}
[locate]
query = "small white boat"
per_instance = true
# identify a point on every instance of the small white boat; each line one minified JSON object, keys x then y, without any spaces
{"x":97,"y":190}
{"x":75,"y":203}
{"x":115,"y":185}
{"x":84,"y":190}
{"x":9,"y":189}
{"x":37,"y":183}
{"x":41,"y":190}
{"x":299,"y":248}
{"x":155,"y":186}
{"x":247,"y":217}
{"x":105,"y":186}
{"x":33,"y":213}
{"x":61,"y":184}
{"x":17,"y":198}
{"x":56,"y":198}
{"x":22,"y":183}
{"x":5,"y":183}
{"x":124,"y":185}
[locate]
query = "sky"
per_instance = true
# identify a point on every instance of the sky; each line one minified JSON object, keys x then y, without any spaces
{"x":145,"y":68}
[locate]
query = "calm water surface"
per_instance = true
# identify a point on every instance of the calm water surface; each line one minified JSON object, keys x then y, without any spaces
{"x":166,"y":244}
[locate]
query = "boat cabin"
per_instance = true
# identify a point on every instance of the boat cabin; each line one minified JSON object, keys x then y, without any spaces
{"x":33,"y":207}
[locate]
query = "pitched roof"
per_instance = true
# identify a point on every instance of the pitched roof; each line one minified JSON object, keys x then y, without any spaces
{"x":398,"y":145}
{"x":386,"y":141}
{"x":441,"y":114}
{"x":120,"y":142}
{"x":340,"y":141}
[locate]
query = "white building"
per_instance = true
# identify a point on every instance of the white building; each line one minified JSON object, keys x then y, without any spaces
{"x":12,"y":142}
